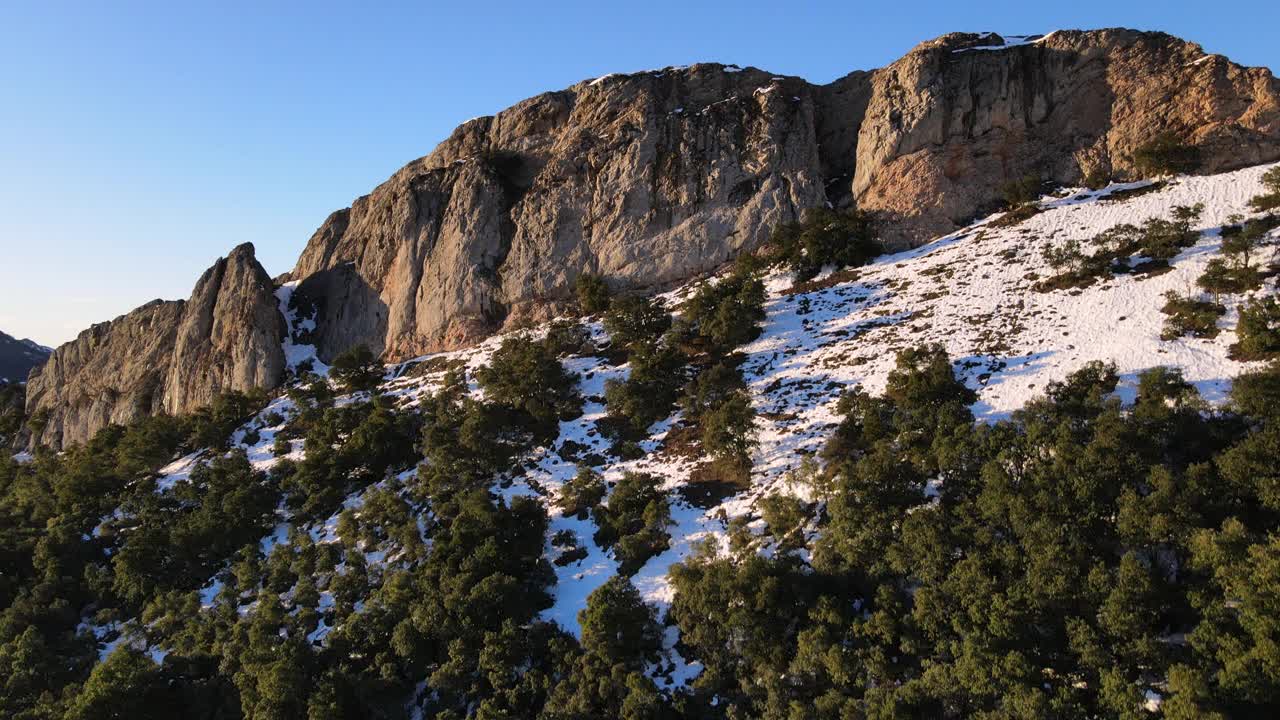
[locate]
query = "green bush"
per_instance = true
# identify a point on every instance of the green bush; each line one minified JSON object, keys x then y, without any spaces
{"x":356,"y":370}
{"x":826,"y":237}
{"x":525,"y":376}
{"x":728,"y":429}
{"x":1270,"y":199}
{"x":1221,"y":277}
{"x":649,"y":392}
{"x":634,"y":521}
{"x":1022,"y":191}
{"x":1190,"y":316}
{"x":581,"y":494}
{"x":1258,"y":329}
{"x":726,"y":313}
{"x":634,"y":320}
{"x":711,"y":388}
{"x":568,"y":339}
{"x":1166,"y":154}
{"x":592,"y":293}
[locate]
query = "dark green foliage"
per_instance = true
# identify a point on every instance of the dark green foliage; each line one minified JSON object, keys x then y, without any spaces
{"x":728,"y":430}
{"x":1155,"y":243}
{"x":1190,"y":316}
{"x":1270,"y":198}
{"x":1064,"y":551}
{"x":582,"y":494}
{"x":212,"y":426}
{"x":634,"y":521}
{"x":1220,"y":277}
{"x":711,"y":388}
{"x":592,"y":293}
{"x":1021,"y":191}
{"x":525,"y":376}
{"x":725,"y":314}
{"x":1166,"y":154}
{"x":618,"y":625}
{"x":649,"y":392}
{"x":347,"y":448}
{"x":634,"y":320}
{"x":1258,"y":329}
{"x":175,"y":540}
{"x":357,"y":369}
{"x":826,"y":237}
{"x":568,"y":338}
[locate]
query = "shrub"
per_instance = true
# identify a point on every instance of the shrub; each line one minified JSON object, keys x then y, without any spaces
{"x":1190,"y":316}
{"x":281,"y":447}
{"x":1241,"y":243}
{"x":634,"y":521}
{"x":634,"y":320}
{"x":1163,"y":239}
{"x":618,"y":625}
{"x":711,"y":388}
{"x":212,"y":426}
{"x":826,"y":237}
{"x":728,"y":429}
{"x":581,"y":494}
{"x":1166,"y":154}
{"x":592,"y":293}
{"x":1258,"y":330}
{"x":727,"y":313}
{"x":1270,"y":199}
{"x":1096,"y":179}
{"x":1067,"y":256}
{"x":567,"y":338}
{"x":526,"y":376}
{"x":356,"y":369}
{"x":784,"y":516}
{"x":648,"y":393}
{"x":1220,"y":277}
{"x":1021,"y":191}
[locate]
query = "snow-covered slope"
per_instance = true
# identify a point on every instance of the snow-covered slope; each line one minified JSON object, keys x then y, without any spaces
{"x":971,"y":291}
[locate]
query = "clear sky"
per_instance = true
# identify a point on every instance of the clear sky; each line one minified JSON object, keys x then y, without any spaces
{"x":140,"y":141}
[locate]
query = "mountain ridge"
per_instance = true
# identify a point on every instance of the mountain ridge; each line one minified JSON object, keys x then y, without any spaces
{"x":19,"y":356}
{"x":650,"y":178}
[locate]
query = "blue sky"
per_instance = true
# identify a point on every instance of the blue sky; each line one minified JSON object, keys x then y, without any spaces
{"x":140,"y":141}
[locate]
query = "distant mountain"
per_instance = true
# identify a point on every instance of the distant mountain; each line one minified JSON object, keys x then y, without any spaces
{"x":17,"y":357}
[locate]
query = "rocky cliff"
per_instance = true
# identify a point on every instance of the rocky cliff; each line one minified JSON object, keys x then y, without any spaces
{"x":166,"y":356}
{"x":653,"y":177}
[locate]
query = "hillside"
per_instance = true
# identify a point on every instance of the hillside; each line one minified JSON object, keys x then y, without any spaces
{"x":421,"y":539}
{"x":17,"y":357}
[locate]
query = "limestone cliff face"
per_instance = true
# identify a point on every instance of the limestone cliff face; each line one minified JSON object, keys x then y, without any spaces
{"x":166,"y":356}
{"x":645,"y":179}
{"x":657,"y":176}
{"x":651,"y":178}
{"x":956,"y":117}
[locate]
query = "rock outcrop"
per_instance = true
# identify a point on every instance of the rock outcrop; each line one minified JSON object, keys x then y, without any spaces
{"x":167,"y":356}
{"x":645,"y":179}
{"x":653,"y":177}
{"x":650,"y":178}
{"x":956,"y":117}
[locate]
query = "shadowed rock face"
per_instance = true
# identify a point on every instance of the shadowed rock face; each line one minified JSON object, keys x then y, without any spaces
{"x":651,"y":178}
{"x":166,"y":356}
{"x":654,"y":177}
